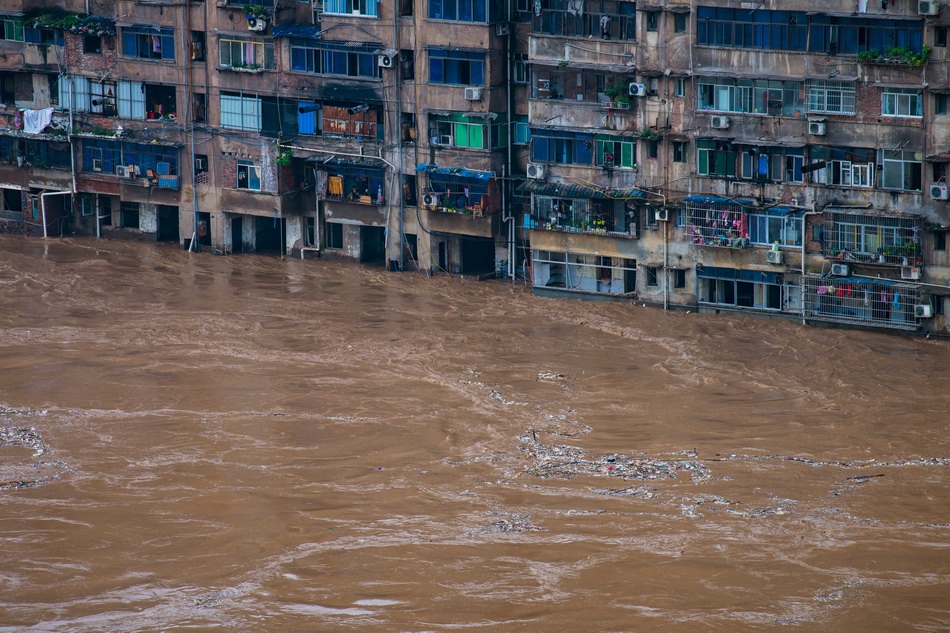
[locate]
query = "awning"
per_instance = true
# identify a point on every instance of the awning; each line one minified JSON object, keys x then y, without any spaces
{"x":345,"y":162}
{"x":491,"y":116}
{"x":292,"y":29}
{"x":768,"y":143}
{"x":719,"y":200}
{"x":943,"y":157}
{"x":96,"y":25}
{"x":613,"y":68}
{"x":571,"y":190}
{"x":460,"y":172}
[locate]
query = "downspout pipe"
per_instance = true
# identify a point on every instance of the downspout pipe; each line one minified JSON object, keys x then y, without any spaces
{"x":805,"y":215}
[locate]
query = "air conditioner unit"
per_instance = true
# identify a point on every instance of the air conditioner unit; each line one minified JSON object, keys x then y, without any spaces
{"x":431,"y":200}
{"x":502,"y":29}
{"x":387,"y":59}
{"x":910,"y":272}
{"x":536,"y":171}
{"x":662,"y":215}
{"x":816,"y":128}
{"x":719,"y":122}
{"x":939,"y":192}
{"x":773,"y":257}
{"x":637,"y":90}
{"x":256,"y":24}
{"x":473,"y":94}
{"x":927,"y":7}
{"x":96,"y":164}
{"x":122,"y":171}
{"x":839,"y":270}
{"x":923,"y":311}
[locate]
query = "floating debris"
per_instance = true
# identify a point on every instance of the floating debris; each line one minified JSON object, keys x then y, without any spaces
{"x":25,"y":437}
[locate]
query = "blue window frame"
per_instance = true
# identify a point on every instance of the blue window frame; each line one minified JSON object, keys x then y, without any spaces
{"x":742,"y":28}
{"x":833,"y":34}
{"x":605,"y":19}
{"x":147,"y":42}
{"x":463,"y":10}
{"x":456,"y":67}
{"x":39,"y":35}
{"x":111,"y":154}
{"x":331,"y":58}
{"x":368,"y":8}
{"x":566,"y":148}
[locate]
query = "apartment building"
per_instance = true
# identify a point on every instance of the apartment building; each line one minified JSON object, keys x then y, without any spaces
{"x":780,"y":159}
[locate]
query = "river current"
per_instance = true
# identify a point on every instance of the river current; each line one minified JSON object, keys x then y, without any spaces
{"x":193,"y":443}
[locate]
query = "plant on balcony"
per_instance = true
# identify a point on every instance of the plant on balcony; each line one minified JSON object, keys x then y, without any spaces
{"x":53,"y":19}
{"x":895,"y":55}
{"x":650,"y":135}
{"x":618,"y":94}
{"x":284,"y":156}
{"x":254,"y":11}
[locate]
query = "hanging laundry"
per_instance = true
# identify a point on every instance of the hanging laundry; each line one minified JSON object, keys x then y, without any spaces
{"x":156,"y":44}
{"x":34,"y":121}
{"x":897,"y":299}
{"x":576,"y":7}
{"x":867,"y":298}
{"x":605,"y":27}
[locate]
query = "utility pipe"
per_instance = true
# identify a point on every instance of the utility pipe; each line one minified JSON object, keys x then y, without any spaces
{"x":805,"y":215}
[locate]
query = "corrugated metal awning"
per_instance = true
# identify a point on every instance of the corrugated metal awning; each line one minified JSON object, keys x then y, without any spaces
{"x":292,"y":29}
{"x":460,"y":172}
{"x":572,"y":190}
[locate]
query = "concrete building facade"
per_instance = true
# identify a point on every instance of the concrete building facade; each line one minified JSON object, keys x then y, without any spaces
{"x":785,"y":159}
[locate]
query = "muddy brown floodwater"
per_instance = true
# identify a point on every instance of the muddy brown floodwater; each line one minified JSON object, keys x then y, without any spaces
{"x":192,"y":443}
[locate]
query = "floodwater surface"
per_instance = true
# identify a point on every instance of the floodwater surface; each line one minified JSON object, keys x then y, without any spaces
{"x":194,"y":443}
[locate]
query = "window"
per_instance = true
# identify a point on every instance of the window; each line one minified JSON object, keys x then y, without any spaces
{"x":248,"y":175}
{"x":39,"y":35}
{"x":940,"y":104}
{"x":359,"y":121}
{"x":7,"y":88}
{"x":772,"y":164}
{"x":679,"y":278}
{"x":679,"y":86}
{"x":742,"y":28}
{"x":200,"y":107}
{"x":201,"y":164}
{"x":608,"y":19}
{"x":92,"y":45}
{"x":47,"y":155}
{"x":905,"y":102}
{"x":575,"y":85}
{"x":844,"y":166}
{"x":146,"y":42}
{"x":715,"y":158}
{"x":679,"y":152}
{"x":856,"y":234}
{"x":240,"y":53}
{"x":522,"y":131}
{"x":902,"y":170}
{"x":653,"y":149}
{"x":463,"y":10}
{"x":334,"y":235}
{"x":520,"y":69}
{"x":745,"y":288}
{"x":775,"y":226}
{"x":105,"y":155}
{"x":651,"y":276}
{"x":240,"y":111}
{"x":832,"y":97}
{"x":940,"y":36}
{"x":940,"y":240}
{"x":456,"y":67}
{"x":653,"y":20}
{"x":758,"y":96}
{"x":138,"y":100}
{"x":568,"y":148}
{"x":613,"y":151}
{"x":333,"y":58}
{"x":458,"y":130}
{"x":198,"y":46}
{"x":12,"y":28}
{"x":679,"y":22}
{"x":852,"y":35}
{"x":681,"y":217}
{"x":366,"y":8}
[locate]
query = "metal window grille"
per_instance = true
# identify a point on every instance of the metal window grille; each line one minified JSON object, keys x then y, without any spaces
{"x":869,"y":238}
{"x":857,"y":301}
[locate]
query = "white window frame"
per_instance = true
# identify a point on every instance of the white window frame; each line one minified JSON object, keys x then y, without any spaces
{"x":249,"y":168}
{"x":830,"y":97}
{"x":241,"y":112}
{"x":233,"y":53}
{"x":902,"y":102}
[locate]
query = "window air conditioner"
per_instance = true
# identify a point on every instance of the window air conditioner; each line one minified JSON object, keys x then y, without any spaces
{"x":536,"y":171}
{"x":839,"y":270}
{"x":773,"y":257}
{"x":910,"y":272}
{"x":923,"y":311}
{"x":720,"y":122}
{"x":662,"y":215}
{"x":927,"y":7}
{"x":387,"y":59}
{"x":256,"y":24}
{"x":939,"y":192}
{"x":637,"y":90}
{"x":816,"y":128}
{"x":502,"y":29}
{"x":431,"y":200}
{"x":122,"y":171}
{"x":473,"y":94}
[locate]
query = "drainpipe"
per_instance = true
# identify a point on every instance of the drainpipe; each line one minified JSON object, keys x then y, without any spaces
{"x":805,"y":215}
{"x":666,"y":272}
{"x":68,"y":192}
